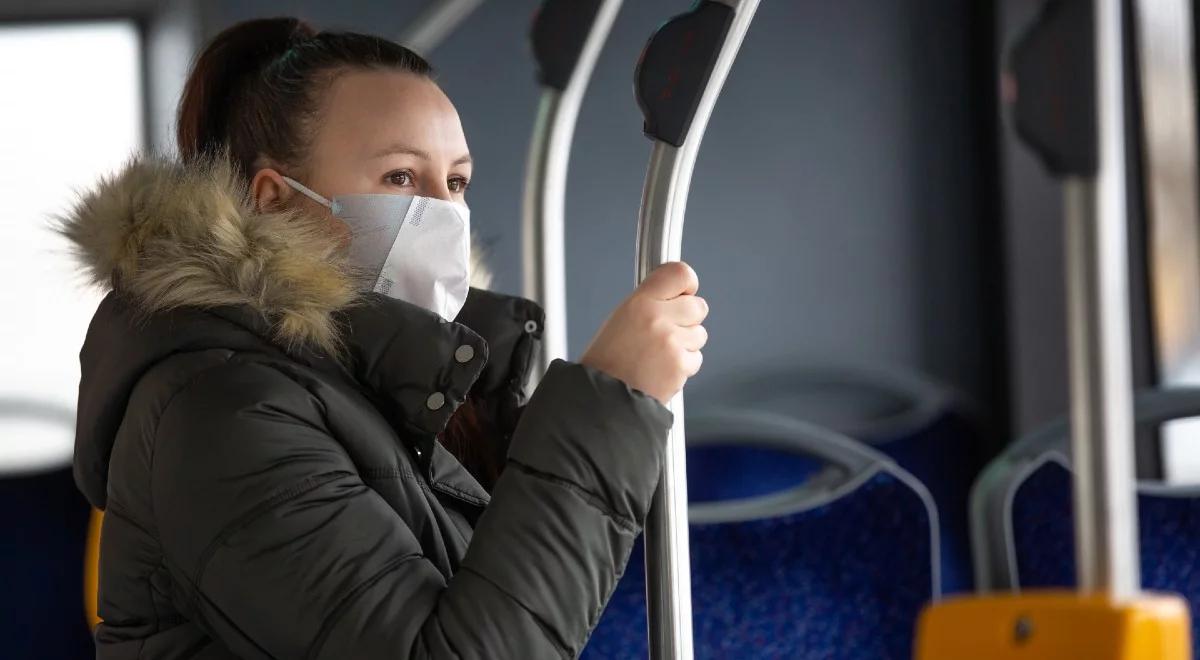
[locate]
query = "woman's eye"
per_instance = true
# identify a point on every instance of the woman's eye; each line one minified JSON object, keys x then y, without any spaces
{"x":400,"y":178}
{"x":459,"y":184}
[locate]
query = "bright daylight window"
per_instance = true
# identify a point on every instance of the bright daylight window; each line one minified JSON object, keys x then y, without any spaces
{"x":72,"y":112}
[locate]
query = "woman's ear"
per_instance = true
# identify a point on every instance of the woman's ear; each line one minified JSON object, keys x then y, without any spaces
{"x":269,"y":189}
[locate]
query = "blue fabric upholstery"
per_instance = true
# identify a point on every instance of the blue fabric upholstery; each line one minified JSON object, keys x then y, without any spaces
{"x":1169,"y":538}
{"x":926,"y":431}
{"x":43,"y":530}
{"x":1170,"y":544}
{"x":726,"y":472}
{"x":946,"y":456}
{"x":845,"y":580}
{"x":1043,"y":528}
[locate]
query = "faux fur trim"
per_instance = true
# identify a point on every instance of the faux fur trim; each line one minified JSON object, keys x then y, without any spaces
{"x":168,"y":235}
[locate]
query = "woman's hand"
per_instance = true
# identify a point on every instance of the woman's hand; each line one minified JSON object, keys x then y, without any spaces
{"x":652,"y":341}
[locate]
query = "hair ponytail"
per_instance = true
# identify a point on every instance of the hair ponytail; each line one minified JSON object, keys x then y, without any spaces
{"x":221,"y":75}
{"x":255,"y":88}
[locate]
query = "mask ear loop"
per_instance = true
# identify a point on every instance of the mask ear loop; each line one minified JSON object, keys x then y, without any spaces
{"x":304,"y":190}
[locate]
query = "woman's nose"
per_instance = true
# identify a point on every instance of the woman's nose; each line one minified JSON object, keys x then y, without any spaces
{"x":437,"y":191}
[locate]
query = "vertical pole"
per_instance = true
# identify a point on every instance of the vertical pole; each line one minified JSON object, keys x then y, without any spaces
{"x":668,"y":557}
{"x":1098,"y":322}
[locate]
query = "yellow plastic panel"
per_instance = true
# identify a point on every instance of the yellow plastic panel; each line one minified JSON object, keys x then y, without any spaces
{"x":1058,"y":625}
{"x":91,"y":569}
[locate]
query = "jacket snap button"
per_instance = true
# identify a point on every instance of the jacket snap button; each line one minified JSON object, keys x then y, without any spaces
{"x":464,"y":354}
{"x":531,"y":326}
{"x":435,"y":401}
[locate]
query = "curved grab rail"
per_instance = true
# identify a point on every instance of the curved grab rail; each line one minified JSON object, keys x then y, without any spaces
{"x":567,"y":37}
{"x":679,"y":77}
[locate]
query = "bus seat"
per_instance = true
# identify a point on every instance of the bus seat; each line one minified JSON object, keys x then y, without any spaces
{"x":836,"y":563}
{"x":1023,"y":523}
{"x":926,"y":429}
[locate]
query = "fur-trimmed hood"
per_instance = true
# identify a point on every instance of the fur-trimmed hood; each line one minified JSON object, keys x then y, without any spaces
{"x":195,"y":269}
{"x":166,"y":235}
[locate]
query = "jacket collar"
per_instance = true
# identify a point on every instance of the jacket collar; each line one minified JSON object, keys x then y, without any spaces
{"x":418,"y":369}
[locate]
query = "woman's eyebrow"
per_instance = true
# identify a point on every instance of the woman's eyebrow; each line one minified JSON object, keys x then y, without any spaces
{"x":401,"y":149}
{"x":417,"y":153}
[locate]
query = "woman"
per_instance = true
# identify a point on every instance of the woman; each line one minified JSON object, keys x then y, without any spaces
{"x":266,"y":424}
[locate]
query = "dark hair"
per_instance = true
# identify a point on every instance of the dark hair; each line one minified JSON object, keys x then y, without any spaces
{"x":256,"y":88}
{"x":474,"y":439}
{"x":256,"y":91}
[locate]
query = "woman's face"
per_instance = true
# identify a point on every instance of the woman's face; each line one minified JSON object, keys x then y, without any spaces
{"x":380,"y":132}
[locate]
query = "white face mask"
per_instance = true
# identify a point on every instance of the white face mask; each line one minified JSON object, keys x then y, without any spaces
{"x":419,"y":246}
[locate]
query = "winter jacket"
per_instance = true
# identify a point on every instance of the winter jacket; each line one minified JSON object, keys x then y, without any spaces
{"x":262,"y":440}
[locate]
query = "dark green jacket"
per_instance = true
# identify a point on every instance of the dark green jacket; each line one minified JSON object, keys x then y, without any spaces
{"x":263,"y":444}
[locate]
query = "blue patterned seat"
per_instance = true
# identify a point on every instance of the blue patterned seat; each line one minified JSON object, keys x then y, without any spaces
{"x":1031,"y":487}
{"x":835,"y":561}
{"x":917,"y":423}
{"x":946,"y":456}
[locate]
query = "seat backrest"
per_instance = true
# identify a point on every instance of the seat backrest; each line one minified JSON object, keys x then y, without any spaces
{"x":1169,"y":522}
{"x":1023,"y":523}
{"x":837,"y":566}
{"x":1042,"y":533}
{"x":1026,"y":493}
{"x":1043,"y":542}
{"x":919,"y":424}
{"x":44,"y":518}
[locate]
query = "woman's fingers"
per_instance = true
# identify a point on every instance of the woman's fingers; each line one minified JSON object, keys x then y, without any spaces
{"x":670,"y":280}
{"x":652,"y":341}
{"x":686,"y":310}
{"x":692,"y":361}
{"x":693,"y":338}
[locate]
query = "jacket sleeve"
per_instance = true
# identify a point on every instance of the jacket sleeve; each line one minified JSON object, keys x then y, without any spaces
{"x":281,"y":551}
